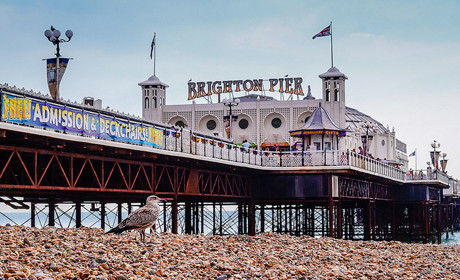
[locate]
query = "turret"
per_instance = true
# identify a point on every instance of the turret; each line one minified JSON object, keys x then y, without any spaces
{"x":334,"y":94}
{"x":153,"y":99}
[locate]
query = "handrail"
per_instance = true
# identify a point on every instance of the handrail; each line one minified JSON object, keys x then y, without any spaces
{"x":210,"y":147}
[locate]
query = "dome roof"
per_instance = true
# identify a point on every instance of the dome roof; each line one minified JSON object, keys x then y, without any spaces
{"x":353,"y":118}
{"x":333,"y":73}
{"x":153,"y":81}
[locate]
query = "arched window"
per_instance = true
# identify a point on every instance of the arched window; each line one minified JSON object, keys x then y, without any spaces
{"x":328,"y":92}
{"x":180,"y":124}
{"x":146,"y":103}
{"x":154,"y":102}
{"x":336,"y":91}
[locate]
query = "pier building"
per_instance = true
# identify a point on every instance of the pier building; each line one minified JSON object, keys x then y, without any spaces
{"x":64,"y":161}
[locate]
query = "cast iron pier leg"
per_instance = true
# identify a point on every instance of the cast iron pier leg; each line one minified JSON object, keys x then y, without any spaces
{"x":78,"y":214}
{"x":32,"y":214}
{"x":103,"y":215}
{"x":52,"y":207}
{"x":252,"y":219}
{"x":174,"y":215}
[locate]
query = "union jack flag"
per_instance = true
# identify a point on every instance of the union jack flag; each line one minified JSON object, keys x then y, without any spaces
{"x":152,"y":45}
{"x":325,"y":32}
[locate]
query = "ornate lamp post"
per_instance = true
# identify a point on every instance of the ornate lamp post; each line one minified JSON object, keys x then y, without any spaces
{"x":435,"y":154}
{"x":366,"y":126}
{"x":55,"y":75}
{"x":230,"y":102}
{"x":53,"y":36}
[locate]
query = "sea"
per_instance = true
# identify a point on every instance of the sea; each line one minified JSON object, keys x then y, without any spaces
{"x":90,"y":220}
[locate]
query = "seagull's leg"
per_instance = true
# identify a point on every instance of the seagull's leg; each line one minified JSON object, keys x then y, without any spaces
{"x":140,"y":234}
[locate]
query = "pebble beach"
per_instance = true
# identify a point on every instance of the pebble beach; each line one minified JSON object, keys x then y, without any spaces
{"x":87,"y":253}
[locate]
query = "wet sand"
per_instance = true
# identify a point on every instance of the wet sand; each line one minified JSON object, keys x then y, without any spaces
{"x":86,"y":253}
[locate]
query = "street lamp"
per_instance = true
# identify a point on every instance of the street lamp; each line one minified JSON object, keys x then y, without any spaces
{"x":53,"y":36}
{"x":230,"y":102}
{"x":55,"y":74}
{"x":366,"y":126}
{"x":435,"y":154}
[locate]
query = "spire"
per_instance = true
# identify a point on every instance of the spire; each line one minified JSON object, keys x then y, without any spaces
{"x":309,"y":96}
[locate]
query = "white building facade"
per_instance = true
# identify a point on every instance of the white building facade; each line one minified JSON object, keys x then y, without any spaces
{"x":265,"y":121}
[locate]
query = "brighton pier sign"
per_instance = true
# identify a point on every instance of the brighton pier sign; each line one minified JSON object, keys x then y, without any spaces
{"x":281,"y":85}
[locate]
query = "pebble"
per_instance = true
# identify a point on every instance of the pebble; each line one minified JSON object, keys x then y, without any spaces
{"x":87,"y":253}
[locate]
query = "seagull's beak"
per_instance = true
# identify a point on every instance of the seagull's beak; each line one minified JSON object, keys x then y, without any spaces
{"x":163,"y":200}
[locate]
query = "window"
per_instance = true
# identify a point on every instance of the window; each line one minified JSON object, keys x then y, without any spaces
{"x":180,"y":124}
{"x":383,"y":142}
{"x":243,"y":123}
{"x":306,"y":119}
{"x":276,"y":123}
{"x":327,"y":146}
{"x":146,"y":103}
{"x":211,"y":124}
{"x":337,"y":92}
{"x":328,"y":92}
{"x":154,"y":102}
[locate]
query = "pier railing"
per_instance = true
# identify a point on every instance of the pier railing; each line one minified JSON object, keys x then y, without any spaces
{"x":188,"y":142}
{"x":424,"y":174}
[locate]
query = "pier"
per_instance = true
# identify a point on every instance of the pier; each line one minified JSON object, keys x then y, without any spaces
{"x":214,"y":187}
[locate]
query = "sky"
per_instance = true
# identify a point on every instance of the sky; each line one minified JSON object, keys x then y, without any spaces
{"x":401,"y":57}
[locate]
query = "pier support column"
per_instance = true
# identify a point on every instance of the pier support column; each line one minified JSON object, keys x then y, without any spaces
{"x":426,"y":223}
{"x":32,"y":214}
{"x":252,"y":219}
{"x":78,"y":214}
{"x":262,"y":218}
{"x":394,"y":229}
{"x":331,"y":217}
{"x":103,"y":215}
{"x":339,"y":219}
{"x":439,"y":224}
{"x":446,"y":226}
{"x":174,"y":215}
{"x":240,"y":218}
{"x":51,"y":209}
{"x":188,"y":217}
{"x":367,"y":220}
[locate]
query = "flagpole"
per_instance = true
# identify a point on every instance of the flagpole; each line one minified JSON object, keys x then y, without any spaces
{"x":154,"y":52}
{"x":332,"y":52}
{"x":415,"y":158}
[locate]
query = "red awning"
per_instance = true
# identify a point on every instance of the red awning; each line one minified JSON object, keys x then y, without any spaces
{"x":271,"y":144}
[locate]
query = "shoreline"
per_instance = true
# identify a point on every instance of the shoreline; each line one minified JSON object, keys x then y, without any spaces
{"x":86,"y":253}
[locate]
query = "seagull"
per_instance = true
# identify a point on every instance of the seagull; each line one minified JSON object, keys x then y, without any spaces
{"x":52,"y":28}
{"x":142,"y":218}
